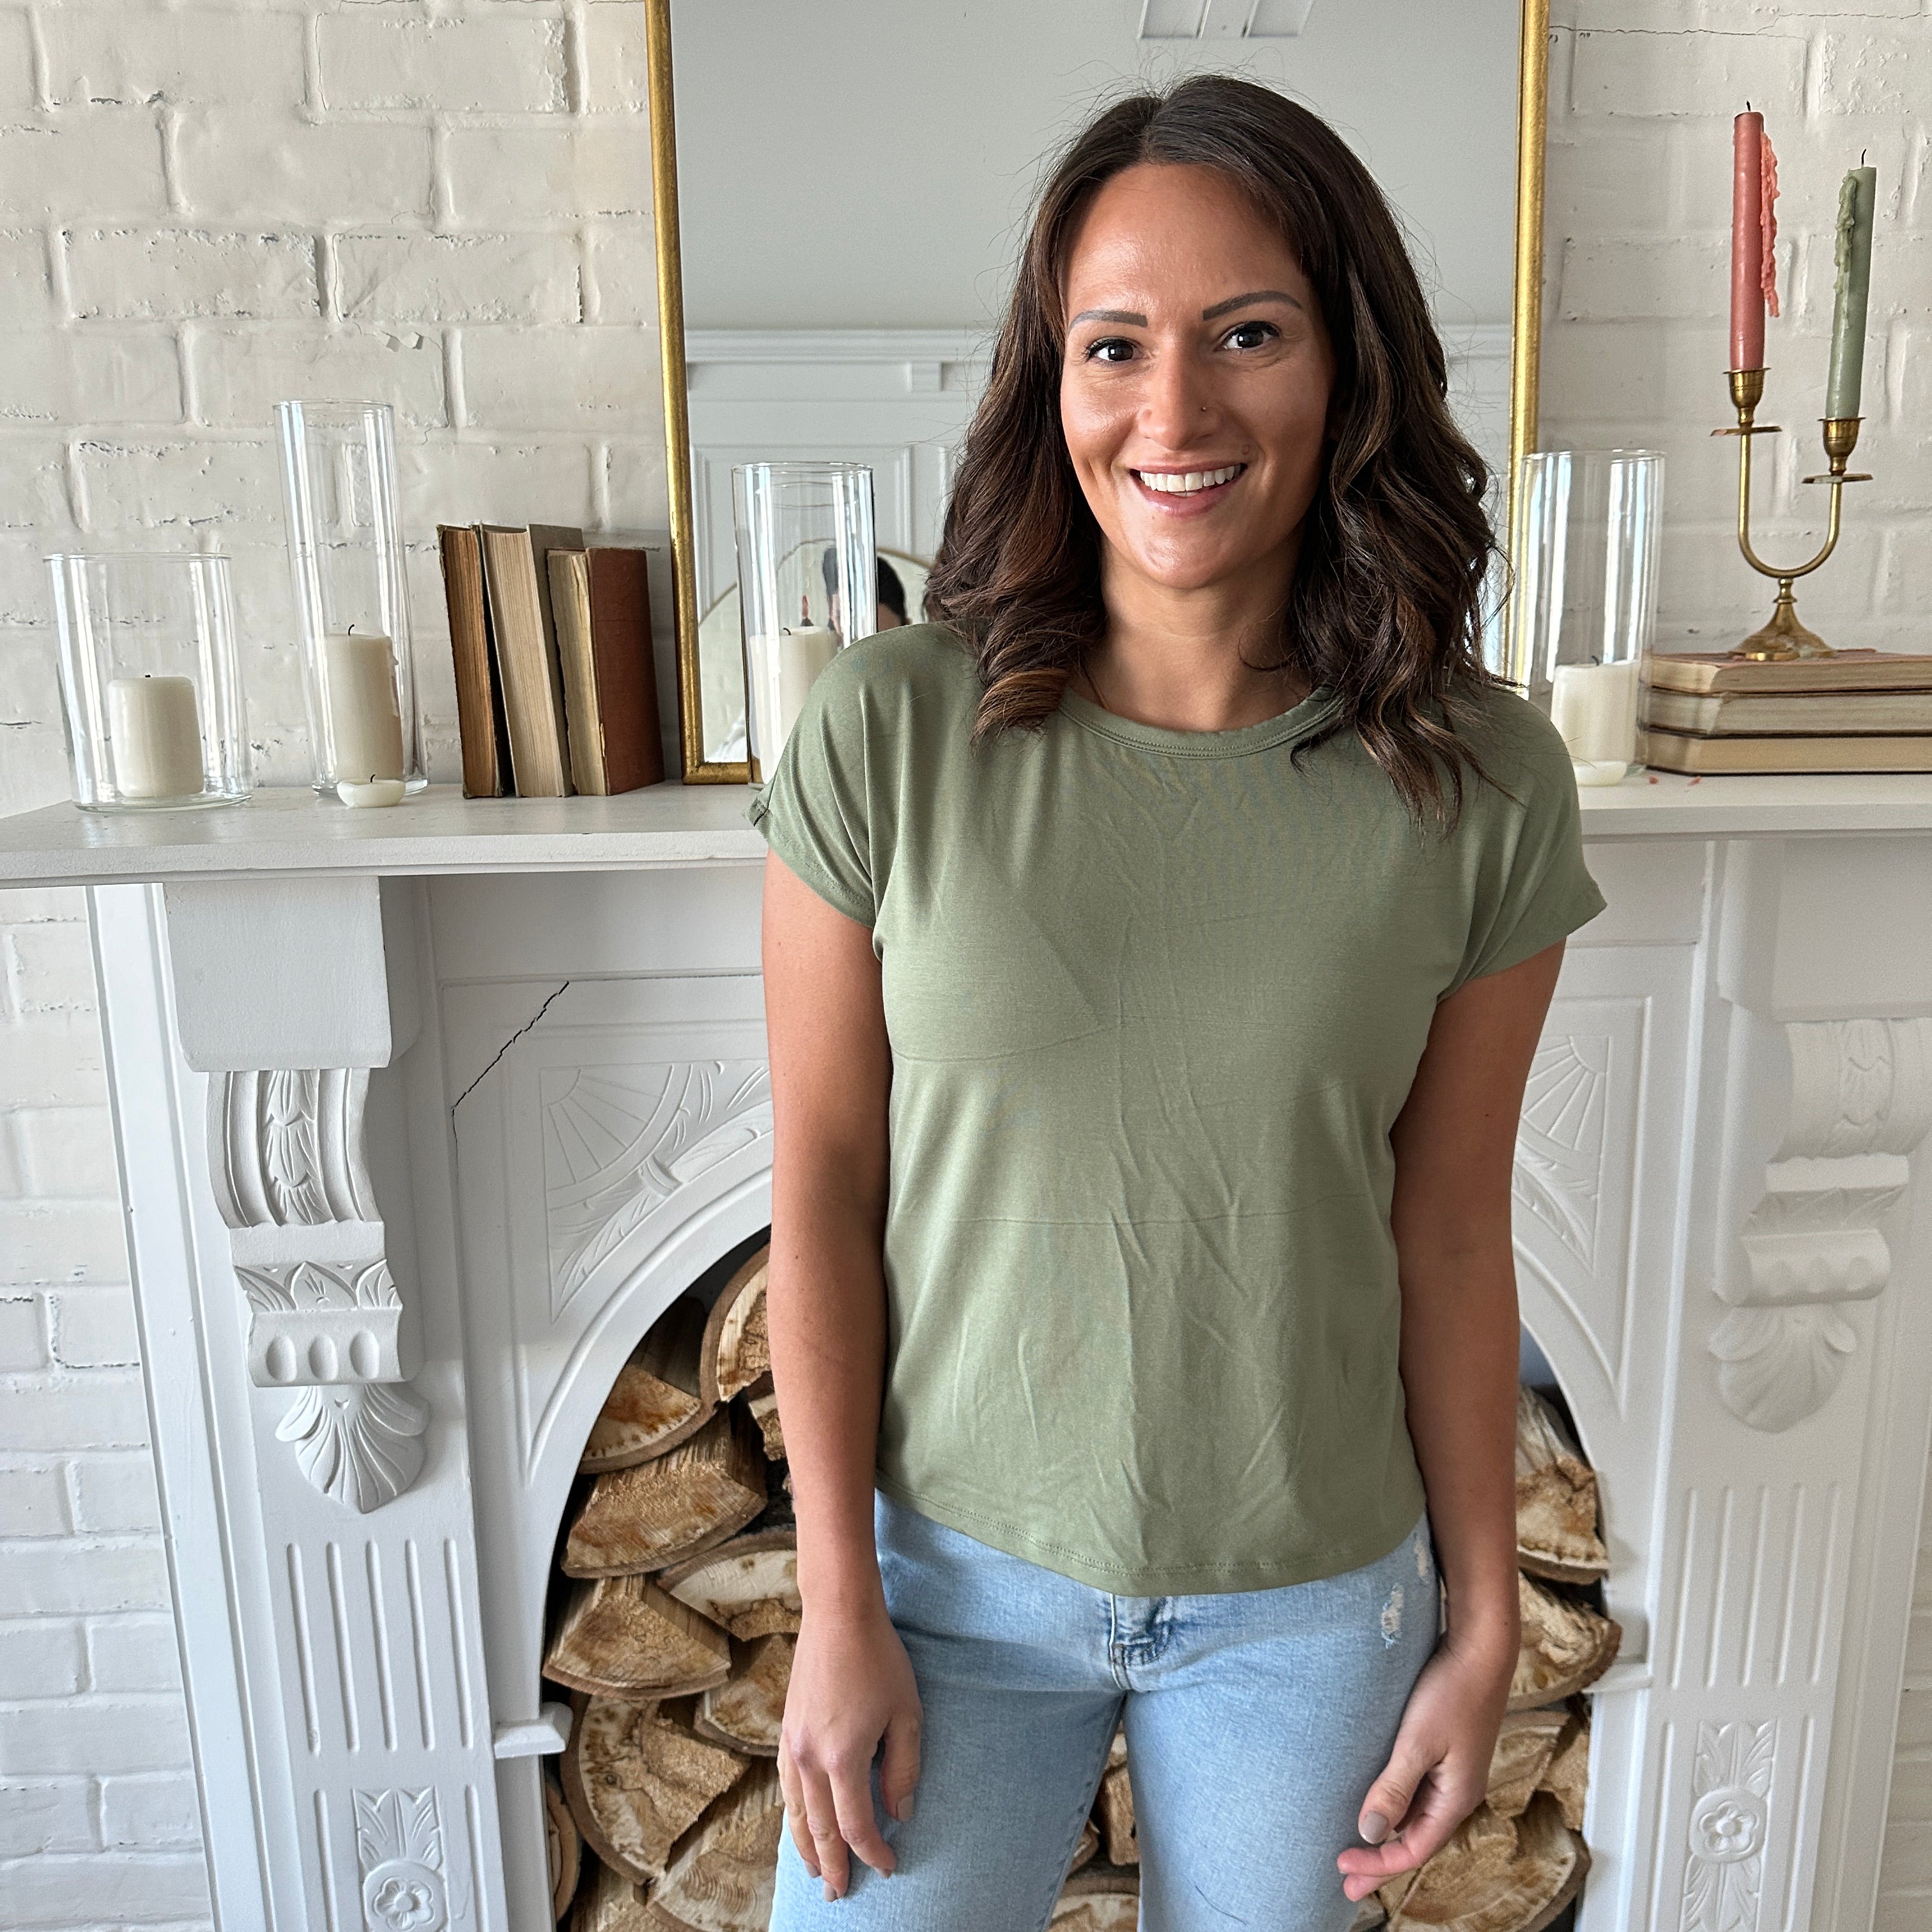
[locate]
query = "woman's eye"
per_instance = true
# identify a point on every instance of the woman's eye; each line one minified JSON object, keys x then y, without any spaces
{"x":1251,"y":334}
{"x":1110,"y":348}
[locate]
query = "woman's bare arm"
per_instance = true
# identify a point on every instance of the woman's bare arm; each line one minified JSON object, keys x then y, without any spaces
{"x":851,"y":1685}
{"x":1454,"y":1145}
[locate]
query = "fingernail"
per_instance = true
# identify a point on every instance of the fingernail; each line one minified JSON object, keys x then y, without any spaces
{"x":905,"y":1809}
{"x":1375,"y":1828}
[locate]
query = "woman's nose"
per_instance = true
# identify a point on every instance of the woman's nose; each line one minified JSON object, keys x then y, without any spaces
{"x":1177,"y":405}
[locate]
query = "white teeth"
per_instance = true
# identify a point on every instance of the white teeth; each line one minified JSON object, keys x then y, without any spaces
{"x":1170,"y":483}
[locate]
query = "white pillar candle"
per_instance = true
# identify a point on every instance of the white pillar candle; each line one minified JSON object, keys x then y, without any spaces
{"x":154,"y":726}
{"x":365,"y":728}
{"x":1593,"y":708}
{"x":783,"y":669}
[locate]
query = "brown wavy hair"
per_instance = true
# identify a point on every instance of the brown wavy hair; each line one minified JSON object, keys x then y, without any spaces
{"x":1385,"y":607}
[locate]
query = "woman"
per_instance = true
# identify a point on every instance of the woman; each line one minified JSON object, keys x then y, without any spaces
{"x":1154,"y":951}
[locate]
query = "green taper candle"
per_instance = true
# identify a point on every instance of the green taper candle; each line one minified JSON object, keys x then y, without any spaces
{"x":1857,"y":200}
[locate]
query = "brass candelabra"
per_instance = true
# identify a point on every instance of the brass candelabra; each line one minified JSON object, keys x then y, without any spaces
{"x":1784,"y":637}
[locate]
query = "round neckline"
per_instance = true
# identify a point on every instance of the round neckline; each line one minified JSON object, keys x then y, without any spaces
{"x":1285,"y":727}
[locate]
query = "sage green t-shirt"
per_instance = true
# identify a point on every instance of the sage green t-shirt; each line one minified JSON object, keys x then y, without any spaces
{"x":1155,"y":1000}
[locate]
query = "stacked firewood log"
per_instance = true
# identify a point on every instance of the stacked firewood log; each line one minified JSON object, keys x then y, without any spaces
{"x":673,"y":1630}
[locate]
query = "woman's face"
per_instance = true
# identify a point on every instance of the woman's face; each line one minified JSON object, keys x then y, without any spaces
{"x":1194,"y":395}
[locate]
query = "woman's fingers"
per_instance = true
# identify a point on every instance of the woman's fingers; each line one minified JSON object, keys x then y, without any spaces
{"x":1433,"y":1812}
{"x":899,"y":1769}
{"x":858,"y":1822}
{"x":830,"y":1862}
{"x":1390,"y":1797}
{"x":793,"y":1787}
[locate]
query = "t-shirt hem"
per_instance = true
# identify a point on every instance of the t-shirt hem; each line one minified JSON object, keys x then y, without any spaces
{"x":803,"y":860}
{"x":1206,"y":1579}
{"x":1537,"y":934}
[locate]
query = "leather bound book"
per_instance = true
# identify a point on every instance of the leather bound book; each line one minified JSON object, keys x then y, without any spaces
{"x":1670,"y":751}
{"x":479,"y":704}
{"x":1702,"y":673}
{"x":524,"y":630}
{"x":603,"y":632}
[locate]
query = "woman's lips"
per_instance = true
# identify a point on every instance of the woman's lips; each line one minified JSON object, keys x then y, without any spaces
{"x":1186,"y":492}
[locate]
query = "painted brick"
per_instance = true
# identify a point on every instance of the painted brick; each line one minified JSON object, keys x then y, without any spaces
{"x":496,"y":483}
{"x":114,"y":1495}
{"x":575,"y":378}
{"x":1606,"y":179}
{"x":75,"y":377}
{"x":101,"y":1409}
{"x":50,"y":970}
{"x":142,"y":274}
{"x":239,"y":372}
{"x":156,"y":1890}
{"x":173,"y":485}
{"x":135,"y":56}
{"x":129,"y":1733}
{"x":1912,"y":1789}
{"x":16,"y":63}
{"x":233,"y":165}
{"x":1651,"y":73}
{"x":49,"y":1815}
{"x":1862,"y":72}
{"x":100,"y":163}
{"x":33,"y":1499}
{"x":1678,"y":276}
{"x":635,"y":487}
{"x":67,"y":1151}
{"x":458,"y":278}
{"x":59,"y":1241}
{"x":613,"y":59}
{"x":26,"y":288}
{"x":23,"y":1338}
{"x":1915,"y":1717}
{"x":33,"y":484}
{"x":156,"y":1811}
{"x":376,"y":56}
{"x":132,"y":1654}
{"x":59,"y":1063}
{"x":623,"y":272}
{"x":94,"y":1327}
{"x":67,"y":1577}
{"x":13,"y":1166}
{"x":40,"y":1657}
{"x":499,"y":177}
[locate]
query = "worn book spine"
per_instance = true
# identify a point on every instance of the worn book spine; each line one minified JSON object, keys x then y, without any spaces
{"x":1672,"y":751}
{"x":570,"y":599}
{"x":1701,"y":673}
{"x":1796,"y":714}
{"x":478,"y":708}
{"x":626,"y":669}
{"x":533,"y":704}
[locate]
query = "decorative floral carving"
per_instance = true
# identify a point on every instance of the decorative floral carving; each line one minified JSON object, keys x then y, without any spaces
{"x":361,"y":1443}
{"x":399,"y":1853}
{"x":619,"y":1142}
{"x":1730,"y":1808}
{"x":1558,"y":1174}
{"x":285,"y":1145}
{"x":1861,"y":1103}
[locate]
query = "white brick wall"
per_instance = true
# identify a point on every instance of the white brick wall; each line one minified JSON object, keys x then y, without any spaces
{"x":203,"y":209}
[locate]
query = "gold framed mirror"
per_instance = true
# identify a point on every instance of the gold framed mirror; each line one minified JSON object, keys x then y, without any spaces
{"x":1496,"y":51}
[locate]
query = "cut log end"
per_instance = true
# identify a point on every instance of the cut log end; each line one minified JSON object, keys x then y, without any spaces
{"x":609,"y":1902}
{"x":624,"y":1636}
{"x":655,"y":1401}
{"x":736,"y":1347}
{"x":1496,"y":1874}
{"x":1556,"y":1501}
{"x":746,"y":1713}
{"x":1566,"y":1647}
{"x":720,"y":1876}
{"x":562,"y":1845}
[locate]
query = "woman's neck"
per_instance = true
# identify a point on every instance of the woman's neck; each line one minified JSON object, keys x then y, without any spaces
{"x":1184,"y":660}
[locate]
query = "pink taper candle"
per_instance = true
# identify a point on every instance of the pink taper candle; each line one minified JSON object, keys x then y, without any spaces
{"x":1747,"y":242}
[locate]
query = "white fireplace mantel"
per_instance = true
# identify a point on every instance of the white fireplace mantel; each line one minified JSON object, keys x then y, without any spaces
{"x":424,"y":1114}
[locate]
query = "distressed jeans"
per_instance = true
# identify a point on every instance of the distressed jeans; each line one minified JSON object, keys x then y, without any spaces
{"x":1256,"y":1720}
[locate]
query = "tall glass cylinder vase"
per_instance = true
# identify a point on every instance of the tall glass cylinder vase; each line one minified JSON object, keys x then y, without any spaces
{"x":351,"y":599}
{"x":151,"y":688}
{"x":1587,"y":529}
{"x":807,"y":585}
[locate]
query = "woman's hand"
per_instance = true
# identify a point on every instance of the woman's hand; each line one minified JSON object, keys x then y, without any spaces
{"x":851,"y":1686}
{"x":1439,"y":1770}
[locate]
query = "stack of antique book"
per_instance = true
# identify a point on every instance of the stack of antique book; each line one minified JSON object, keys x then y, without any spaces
{"x":1858,"y":711}
{"x":556,"y":683}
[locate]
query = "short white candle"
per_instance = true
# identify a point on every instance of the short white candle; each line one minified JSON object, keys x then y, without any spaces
{"x":784,"y":669}
{"x":154,"y":726}
{"x":1593,"y":708}
{"x":365,"y":728}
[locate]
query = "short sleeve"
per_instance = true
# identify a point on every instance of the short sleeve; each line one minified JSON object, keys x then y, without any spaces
{"x":1533,"y":887}
{"x":814,"y":811}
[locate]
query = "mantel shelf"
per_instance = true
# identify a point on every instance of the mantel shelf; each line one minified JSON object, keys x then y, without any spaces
{"x":290,"y":831}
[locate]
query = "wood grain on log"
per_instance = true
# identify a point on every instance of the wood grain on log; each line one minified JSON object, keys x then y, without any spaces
{"x":637,"y":1777}
{"x":1086,"y":1849}
{"x":606,"y":1901}
{"x":655,"y":1403}
{"x":746,"y":1713}
{"x":623,"y":1636}
{"x":1566,"y":1776}
{"x":720,"y":1877}
{"x":1494,"y":1875}
{"x":737,"y":1350}
{"x":1099,"y":1898}
{"x":1566,"y":1647}
{"x":1556,"y":1504}
{"x":1113,"y":1813}
{"x":1521,"y":1756}
{"x":658,"y":1512}
{"x":764,"y":1411}
{"x":563,"y":1847}
{"x":749,"y":1584}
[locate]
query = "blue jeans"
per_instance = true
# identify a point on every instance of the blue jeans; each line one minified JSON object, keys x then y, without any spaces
{"x":1256,"y":1720}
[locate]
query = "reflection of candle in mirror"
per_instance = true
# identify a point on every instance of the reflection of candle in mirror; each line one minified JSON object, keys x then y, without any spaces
{"x":1593,"y":708}
{"x":783,"y":669}
{"x":155,"y":727}
{"x":365,"y":726}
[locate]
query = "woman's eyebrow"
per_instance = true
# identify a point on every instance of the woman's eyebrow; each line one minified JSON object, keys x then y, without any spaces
{"x":1126,"y":316}
{"x":1242,"y":301}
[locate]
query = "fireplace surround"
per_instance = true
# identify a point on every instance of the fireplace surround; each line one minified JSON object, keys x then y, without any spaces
{"x":423,"y":1121}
